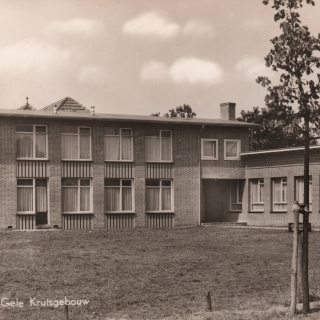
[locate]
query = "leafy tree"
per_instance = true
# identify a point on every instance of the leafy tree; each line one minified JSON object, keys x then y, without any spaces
{"x":270,"y":135}
{"x":295,"y":100}
{"x":180,"y":111}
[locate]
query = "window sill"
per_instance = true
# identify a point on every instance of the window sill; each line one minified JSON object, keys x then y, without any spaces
{"x":159,"y":162}
{"x":205,"y":159}
{"x":159,"y":212}
{"x":121,"y":161}
{"x":120,"y":212}
{"x":32,"y":159}
{"x":78,"y":212}
{"x":256,"y":211}
{"x":26,"y":213}
{"x":78,"y":160}
{"x":234,"y":211}
{"x":230,"y":159}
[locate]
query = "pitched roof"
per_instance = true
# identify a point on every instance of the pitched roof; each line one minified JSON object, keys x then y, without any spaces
{"x":66,"y":105}
{"x":27,"y":106}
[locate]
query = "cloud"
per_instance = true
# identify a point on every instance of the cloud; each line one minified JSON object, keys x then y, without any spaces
{"x":253,"y":23}
{"x":31,"y":55}
{"x":91,"y":74}
{"x":154,"y":70}
{"x":198,"y":28}
{"x":77,"y":26}
{"x":252,"y":67}
{"x":184,"y":71}
{"x":151,"y":24}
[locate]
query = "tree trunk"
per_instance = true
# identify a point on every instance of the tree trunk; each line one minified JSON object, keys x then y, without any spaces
{"x":305,"y":262}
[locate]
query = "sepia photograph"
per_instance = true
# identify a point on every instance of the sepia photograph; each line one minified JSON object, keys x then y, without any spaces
{"x":159,"y":159}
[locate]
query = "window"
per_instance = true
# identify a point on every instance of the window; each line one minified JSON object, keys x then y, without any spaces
{"x":118,"y":195}
{"x":236,"y":191}
{"x":118,"y":144}
{"x":75,"y":143}
{"x":31,"y":141}
{"x":299,"y":191}
{"x":31,"y":195}
{"x":232,"y":149}
{"x":209,"y":149}
{"x":76,"y":195}
{"x":158,"y":145}
{"x":159,"y":195}
{"x":279,"y":194}
{"x":256,"y":195}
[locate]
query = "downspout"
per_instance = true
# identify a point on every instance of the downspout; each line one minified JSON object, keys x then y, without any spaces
{"x":200,"y":184}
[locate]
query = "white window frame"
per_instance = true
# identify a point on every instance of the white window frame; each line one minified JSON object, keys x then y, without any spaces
{"x":120,"y":198}
{"x":78,"y":135}
{"x":260,"y":200}
{"x":238,"y":200}
{"x":284,"y":181}
{"x":120,"y":135}
{"x":215,"y":142}
{"x":33,"y":195}
{"x":297,"y":181}
{"x":238,"y":149}
{"x":78,"y":188}
{"x":34,"y":140}
{"x":160,"y":195}
{"x":160,"y":151}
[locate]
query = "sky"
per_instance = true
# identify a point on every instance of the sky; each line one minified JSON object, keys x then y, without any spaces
{"x":138,"y":56}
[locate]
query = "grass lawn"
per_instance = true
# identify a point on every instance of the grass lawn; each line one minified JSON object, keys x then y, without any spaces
{"x":153,"y":273}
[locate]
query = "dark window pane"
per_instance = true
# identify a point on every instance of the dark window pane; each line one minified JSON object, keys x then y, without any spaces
{"x":69,"y":182}
{"x":166,"y":134}
{"x":85,"y":182}
{"x":24,"y":128}
{"x":69,"y":129}
{"x":126,"y":183}
{"x":109,"y":131}
{"x":152,"y":182}
{"x":166,"y":183}
{"x":152,"y":133}
{"x":41,"y":182}
{"x":112,"y":182}
{"x":85,"y":131}
{"x":25,"y":182}
{"x":126,"y":132}
{"x":41,"y":129}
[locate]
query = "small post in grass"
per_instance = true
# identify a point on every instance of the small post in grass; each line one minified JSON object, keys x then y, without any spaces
{"x":66,"y":311}
{"x":293,"y":303}
{"x":209,"y":301}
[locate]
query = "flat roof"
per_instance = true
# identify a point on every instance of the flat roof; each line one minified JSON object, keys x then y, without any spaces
{"x":255,"y":153}
{"x":121,"y":117}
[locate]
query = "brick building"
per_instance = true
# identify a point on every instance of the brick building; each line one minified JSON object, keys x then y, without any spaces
{"x":64,"y":166}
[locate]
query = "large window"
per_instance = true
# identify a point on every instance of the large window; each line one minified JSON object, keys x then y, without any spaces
{"x":256,"y":195}
{"x":236,"y":192}
{"x":75,"y":143}
{"x":159,"y":195}
{"x":279,"y":194}
{"x":118,"y":195}
{"x":209,"y":149}
{"x":299,"y":191}
{"x":76,"y":195}
{"x":158,"y":145}
{"x":31,"y":195}
{"x":31,"y":141}
{"x":232,"y":149}
{"x":117,"y":144}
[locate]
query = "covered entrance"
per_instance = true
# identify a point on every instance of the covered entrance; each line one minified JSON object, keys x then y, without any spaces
{"x":221,"y":200}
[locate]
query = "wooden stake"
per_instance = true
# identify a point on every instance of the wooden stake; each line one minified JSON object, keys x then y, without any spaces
{"x":299,"y":287}
{"x":66,"y":310}
{"x":209,"y":301}
{"x":293,"y":303}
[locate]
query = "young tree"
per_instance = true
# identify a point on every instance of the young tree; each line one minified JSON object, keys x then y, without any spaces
{"x":295,"y":99}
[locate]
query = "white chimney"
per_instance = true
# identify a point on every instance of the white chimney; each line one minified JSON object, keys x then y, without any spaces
{"x":227,"y":111}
